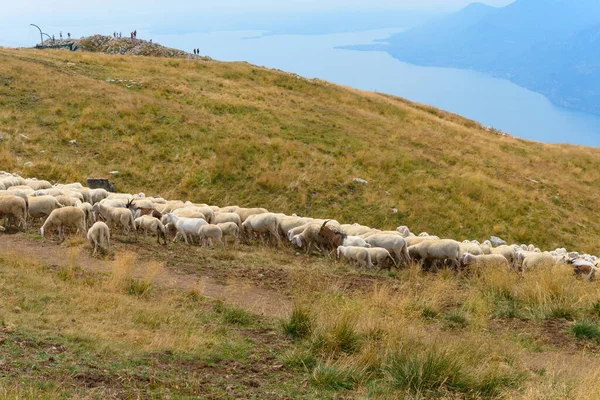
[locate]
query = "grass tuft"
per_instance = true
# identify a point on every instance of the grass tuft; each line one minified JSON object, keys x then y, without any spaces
{"x":586,"y":330}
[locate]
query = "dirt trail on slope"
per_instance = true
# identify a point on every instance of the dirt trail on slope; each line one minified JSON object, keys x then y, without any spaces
{"x":246,"y":295}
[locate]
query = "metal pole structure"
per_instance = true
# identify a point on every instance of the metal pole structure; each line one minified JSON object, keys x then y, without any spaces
{"x":41,"y":37}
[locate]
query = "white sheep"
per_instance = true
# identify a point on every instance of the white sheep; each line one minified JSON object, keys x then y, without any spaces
{"x":210,"y":235}
{"x":184,"y":226}
{"x":65,"y":217}
{"x":356,"y":255}
{"x":484,"y":261}
{"x":42,"y":206}
{"x":115,"y":215}
{"x":87,"y":208}
{"x":152,"y":224}
{"x":96,"y":195}
{"x":220,"y":218}
{"x":394,"y":243}
{"x":99,"y":236}
{"x":230,"y":229}
{"x":244,"y":213}
{"x":537,"y":260}
{"x":261,"y":223}
{"x":14,"y":207}
{"x":431,"y":251}
{"x":508,"y":252}
{"x":355,"y":241}
{"x":382,"y":258}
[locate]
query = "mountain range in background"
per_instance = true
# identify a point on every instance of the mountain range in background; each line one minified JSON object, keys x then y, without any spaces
{"x":549,"y":46}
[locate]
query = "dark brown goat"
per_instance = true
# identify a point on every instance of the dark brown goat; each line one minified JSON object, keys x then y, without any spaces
{"x":330,"y":238}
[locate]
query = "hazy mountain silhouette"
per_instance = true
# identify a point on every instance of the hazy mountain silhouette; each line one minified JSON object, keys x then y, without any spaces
{"x":550,"y":46}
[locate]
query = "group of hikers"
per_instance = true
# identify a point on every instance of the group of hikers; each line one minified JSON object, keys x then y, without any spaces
{"x":197,"y":52}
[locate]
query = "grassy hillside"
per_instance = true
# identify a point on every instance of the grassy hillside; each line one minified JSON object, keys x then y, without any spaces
{"x":233,"y":133}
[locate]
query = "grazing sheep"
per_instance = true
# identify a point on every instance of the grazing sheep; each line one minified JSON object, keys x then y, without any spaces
{"x":537,"y":260}
{"x":244,"y":213}
{"x":470,"y":248}
{"x":393,"y":243}
{"x":38,"y":184}
{"x":154,"y":225}
{"x":117,"y":216}
{"x":484,"y":261}
{"x":97,"y":195}
{"x":68,"y":200}
{"x":412,"y":240}
{"x":210,"y":233}
{"x":382,"y":258}
{"x":431,"y":251}
{"x":220,"y":218}
{"x":14,"y":207}
{"x":189,"y":213}
{"x":355,"y":230}
{"x":355,"y":241}
{"x":359,"y":256}
{"x":65,"y":217}
{"x":87,"y":208}
{"x":508,"y":252}
{"x":184,"y":226}
{"x":265,"y":223}
{"x":42,"y":206}
{"x":230,"y":229}
{"x":99,"y":236}
{"x":229,"y":209}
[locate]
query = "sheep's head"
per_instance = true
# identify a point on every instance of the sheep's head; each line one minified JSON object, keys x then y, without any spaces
{"x":298,"y":240}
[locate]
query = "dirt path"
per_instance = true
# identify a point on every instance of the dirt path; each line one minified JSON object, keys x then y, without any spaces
{"x":246,"y":294}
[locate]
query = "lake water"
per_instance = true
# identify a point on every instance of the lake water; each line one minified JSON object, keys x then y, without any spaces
{"x":491,"y":101}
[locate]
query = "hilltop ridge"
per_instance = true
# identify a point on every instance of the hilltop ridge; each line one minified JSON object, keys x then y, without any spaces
{"x":125,"y":46}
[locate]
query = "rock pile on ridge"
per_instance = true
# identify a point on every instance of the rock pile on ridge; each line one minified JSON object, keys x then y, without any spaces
{"x":126,"y":46}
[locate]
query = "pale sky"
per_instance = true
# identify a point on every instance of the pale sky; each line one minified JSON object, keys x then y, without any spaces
{"x":87,"y":17}
{"x":20,"y":8}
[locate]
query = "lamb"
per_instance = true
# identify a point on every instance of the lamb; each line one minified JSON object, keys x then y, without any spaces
{"x":355,"y":241}
{"x":393,"y":243}
{"x":382,"y":258}
{"x":210,"y":233}
{"x":118,"y":216}
{"x":220,"y":218}
{"x":99,"y":236}
{"x":430,"y":251}
{"x":15,"y":207}
{"x":148,"y":223}
{"x":356,"y":255}
{"x":65,"y":217}
{"x":230,"y":229}
{"x":42,"y":206}
{"x":484,"y":261}
{"x":184,"y":226}
{"x":262,"y":223}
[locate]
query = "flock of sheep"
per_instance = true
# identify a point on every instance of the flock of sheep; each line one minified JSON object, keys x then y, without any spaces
{"x":73,"y":206}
